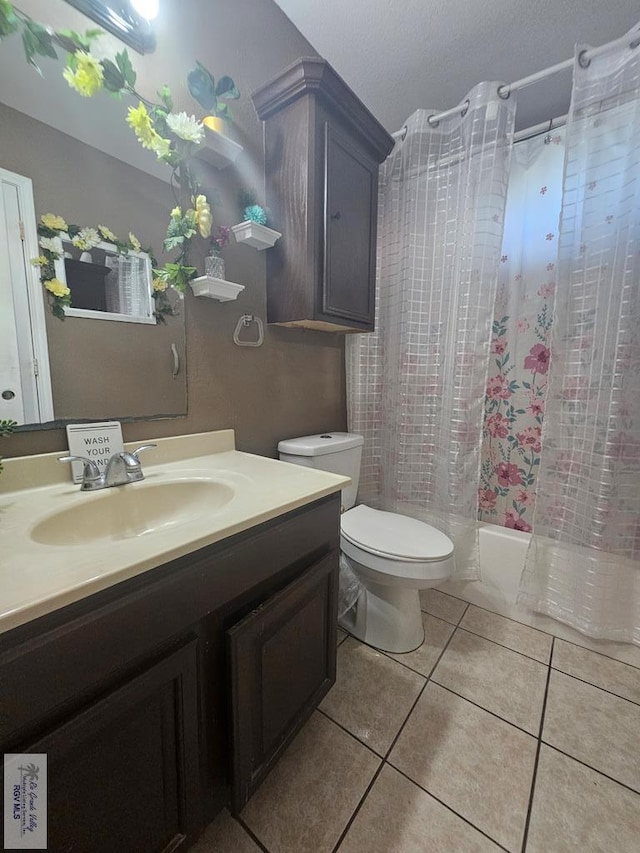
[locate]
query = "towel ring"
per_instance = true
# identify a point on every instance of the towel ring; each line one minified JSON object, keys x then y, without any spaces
{"x":243,"y":322}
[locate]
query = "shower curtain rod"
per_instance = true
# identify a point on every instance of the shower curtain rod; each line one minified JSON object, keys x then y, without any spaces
{"x":584,"y":58}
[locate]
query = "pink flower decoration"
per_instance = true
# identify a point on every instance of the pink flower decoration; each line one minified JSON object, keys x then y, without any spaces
{"x":538,"y":359}
{"x":487,"y":499}
{"x":549,"y":236}
{"x":508,"y":474}
{"x":543,"y":190}
{"x":522,"y":325}
{"x":525,"y":498}
{"x":497,"y":426}
{"x":498,"y":345}
{"x":515,"y":522}
{"x":498,"y":388}
{"x":547,"y":290}
{"x":551,"y":267}
{"x":530,"y":437}
{"x":535,"y":408}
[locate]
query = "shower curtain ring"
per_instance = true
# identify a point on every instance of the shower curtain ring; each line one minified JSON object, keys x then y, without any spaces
{"x":583,"y":60}
{"x":465,"y":109}
{"x":504,"y":92}
{"x":432,"y":121}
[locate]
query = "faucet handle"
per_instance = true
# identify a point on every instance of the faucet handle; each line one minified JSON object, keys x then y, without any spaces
{"x":140,"y":449}
{"x":91,"y":476}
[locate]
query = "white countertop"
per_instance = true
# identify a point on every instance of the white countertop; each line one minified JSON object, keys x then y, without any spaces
{"x":38,"y":578}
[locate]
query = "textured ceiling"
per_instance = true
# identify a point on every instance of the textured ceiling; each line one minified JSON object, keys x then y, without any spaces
{"x":399,"y":55}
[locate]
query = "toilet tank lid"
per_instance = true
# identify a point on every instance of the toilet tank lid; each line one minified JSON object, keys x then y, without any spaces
{"x":320,"y":444}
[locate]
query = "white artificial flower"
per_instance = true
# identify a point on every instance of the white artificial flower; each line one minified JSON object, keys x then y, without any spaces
{"x":86,"y":239}
{"x":186,"y":127}
{"x":50,"y":244}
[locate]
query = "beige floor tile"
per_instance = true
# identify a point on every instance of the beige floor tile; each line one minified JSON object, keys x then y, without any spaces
{"x":372,"y":694}
{"x":577,"y":809}
{"x":502,"y":681}
{"x":623,"y":652}
{"x":307,"y":799}
{"x":225,"y":835}
{"x":595,"y":727}
{"x":508,"y":633}
{"x":400,"y":817}
{"x":436,"y":635}
{"x":618,"y":678}
{"x":441,"y":605}
{"x":477,"y":764}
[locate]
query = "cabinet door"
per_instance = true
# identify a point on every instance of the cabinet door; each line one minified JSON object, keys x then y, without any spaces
{"x":124,"y":773}
{"x":283,"y":661}
{"x":350,"y":201}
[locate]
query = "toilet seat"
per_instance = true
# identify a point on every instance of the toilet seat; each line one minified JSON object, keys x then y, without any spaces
{"x":393,"y":536}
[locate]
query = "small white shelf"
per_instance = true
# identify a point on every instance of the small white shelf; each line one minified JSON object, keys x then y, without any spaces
{"x":253,"y":234}
{"x":216,"y":288}
{"x":218,"y":150}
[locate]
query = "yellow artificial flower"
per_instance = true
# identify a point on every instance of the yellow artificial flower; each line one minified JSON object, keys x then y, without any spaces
{"x":176,"y":213}
{"x":159,"y":284}
{"x":135,"y":243}
{"x":57,"y":287}
{"x":203,"y":215}
{"x":55,"y":223}
{"x":107,"y":233}
{"x":40,"y":261}
{"x":86,"y":78}
{"x":140,"y":121}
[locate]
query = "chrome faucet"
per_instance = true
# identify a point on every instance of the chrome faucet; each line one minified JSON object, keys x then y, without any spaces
{"x":122,"y":468}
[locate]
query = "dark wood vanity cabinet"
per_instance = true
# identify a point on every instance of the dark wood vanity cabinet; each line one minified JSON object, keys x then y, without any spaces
{"x":167,"y":696}
{"x":322,"y":151}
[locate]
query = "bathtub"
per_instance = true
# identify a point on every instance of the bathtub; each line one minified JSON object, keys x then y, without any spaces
{"x":502,"y":556}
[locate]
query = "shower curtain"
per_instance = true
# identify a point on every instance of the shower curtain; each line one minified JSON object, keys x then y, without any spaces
{"x":416,"y":386}
{"x":583,"y":565}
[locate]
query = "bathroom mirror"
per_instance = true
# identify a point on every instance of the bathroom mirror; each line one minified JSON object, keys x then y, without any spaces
{"x":77,"y":158}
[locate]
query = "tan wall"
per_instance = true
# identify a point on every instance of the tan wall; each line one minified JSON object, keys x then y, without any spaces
{"x":294,"y":383}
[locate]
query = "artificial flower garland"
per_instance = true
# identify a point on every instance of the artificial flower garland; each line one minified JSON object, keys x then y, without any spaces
{"x":173,"y":137}
{"x":52,"y":228}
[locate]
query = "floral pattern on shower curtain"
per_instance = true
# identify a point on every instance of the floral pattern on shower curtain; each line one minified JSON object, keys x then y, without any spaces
{"x":520,"y":351}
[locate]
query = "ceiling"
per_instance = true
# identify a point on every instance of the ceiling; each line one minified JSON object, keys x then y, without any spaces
{"x":399,"y":55}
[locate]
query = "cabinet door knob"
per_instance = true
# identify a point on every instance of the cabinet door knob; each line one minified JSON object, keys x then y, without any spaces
{"x":335,"y":216}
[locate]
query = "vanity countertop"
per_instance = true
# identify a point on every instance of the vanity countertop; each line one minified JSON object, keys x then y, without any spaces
{"x":37,"y":577}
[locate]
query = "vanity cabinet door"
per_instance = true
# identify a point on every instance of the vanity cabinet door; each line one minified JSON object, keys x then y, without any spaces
{"x":124,"y":773}
{"x":282,"y":662}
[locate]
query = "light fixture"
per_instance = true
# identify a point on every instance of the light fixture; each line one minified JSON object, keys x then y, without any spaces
{"x":148,"y":9}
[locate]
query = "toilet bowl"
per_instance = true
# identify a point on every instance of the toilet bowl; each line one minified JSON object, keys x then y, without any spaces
{"x":392,"y":555}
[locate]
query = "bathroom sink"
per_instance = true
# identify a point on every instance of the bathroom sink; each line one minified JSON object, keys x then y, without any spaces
{"x":130,"y":511}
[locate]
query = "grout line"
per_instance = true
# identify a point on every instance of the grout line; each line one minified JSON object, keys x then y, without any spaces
{"x":597,"y":686}
{"x":251,"y":834}
{"x":525,"y":835}
{"x":393,"y":743}
{"x":448,"y":807}
{"x":602,"y":654}
{"x":511,"y":619}
{"x":635,"y":791}
{"x":482,"y":708}
{"x":355,"y":737}
{"x":441,"y":618}
{"x":502,"y":645}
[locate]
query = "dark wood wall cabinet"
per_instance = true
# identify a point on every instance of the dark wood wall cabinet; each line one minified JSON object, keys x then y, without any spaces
{"x":165,"y":697}
{"x":322,"y":151}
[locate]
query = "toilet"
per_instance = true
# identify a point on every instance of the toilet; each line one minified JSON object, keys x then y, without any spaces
{"x":393,"y":556}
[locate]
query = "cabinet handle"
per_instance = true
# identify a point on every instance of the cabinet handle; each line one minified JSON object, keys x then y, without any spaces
{"x":335,"y":216}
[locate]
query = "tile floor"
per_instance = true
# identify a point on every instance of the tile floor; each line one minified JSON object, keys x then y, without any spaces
{"x":492,"y":736}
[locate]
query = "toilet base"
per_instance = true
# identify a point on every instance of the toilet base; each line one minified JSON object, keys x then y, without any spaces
{"x":386,"y":617}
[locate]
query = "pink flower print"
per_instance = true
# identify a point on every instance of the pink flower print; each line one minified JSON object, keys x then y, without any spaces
{"x":538,"y":359}
{"x":512,"y":520}
{"x":543,"y":190}
{"x":536,"y":408}
{"x":574,"y":388}
{"x":530,"y":437}
{"x":592,"y":185}
{"x":498,"y":388}
{"x":498,"y":346}
{"x":624,"y":447}
{"x":551,"y":267}
{"x":522,"y":324}
{"x":496,"y":217}
{"x":556,"y":139}
{"x":504,"y":259}
{"x":508,"y":474}
{"x":518,"y":277}
{"x":497,"y":426}
{"x":547,"y":290}
{"x":487,"y":499}
{"x":524,"y":497}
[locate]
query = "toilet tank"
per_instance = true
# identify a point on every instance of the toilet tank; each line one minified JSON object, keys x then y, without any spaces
{"x":337,"y":452}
